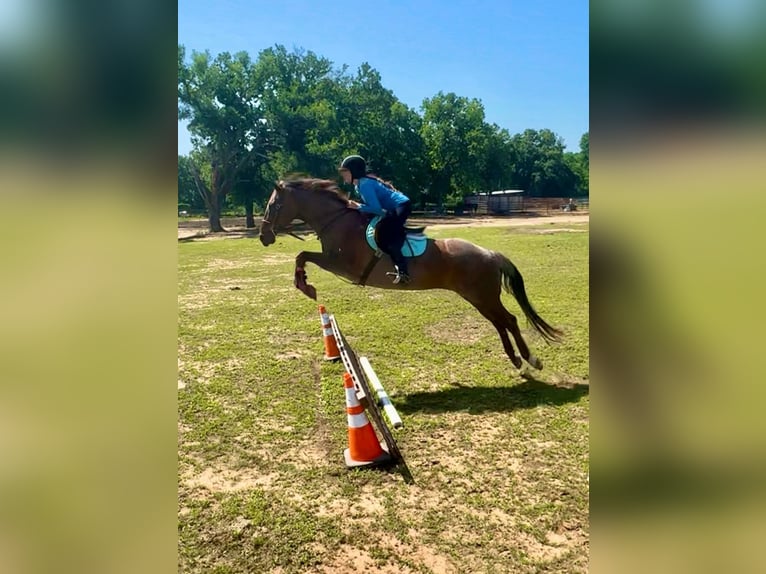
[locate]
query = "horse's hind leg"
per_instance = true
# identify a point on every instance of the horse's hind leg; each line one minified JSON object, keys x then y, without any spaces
{"x":495,"y":314}
{"x":503,"y":321}
{"x":512,"y":324}
{"x":507,"y":343}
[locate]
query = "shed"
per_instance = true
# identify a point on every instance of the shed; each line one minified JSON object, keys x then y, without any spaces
{"x":494,"y":202}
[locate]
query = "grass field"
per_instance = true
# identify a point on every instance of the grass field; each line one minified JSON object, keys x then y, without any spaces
{"x":499,"y":460}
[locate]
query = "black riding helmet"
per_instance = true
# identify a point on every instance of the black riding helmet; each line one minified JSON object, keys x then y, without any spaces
{"x":356,"y":165}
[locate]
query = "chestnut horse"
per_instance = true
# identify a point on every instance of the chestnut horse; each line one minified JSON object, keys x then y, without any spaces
{"x":474,"y":273}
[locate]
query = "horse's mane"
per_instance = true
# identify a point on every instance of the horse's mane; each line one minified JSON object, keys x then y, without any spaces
{"x":323,"y":187}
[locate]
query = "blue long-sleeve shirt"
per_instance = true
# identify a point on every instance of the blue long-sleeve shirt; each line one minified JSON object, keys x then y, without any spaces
{"x":377,"y":197}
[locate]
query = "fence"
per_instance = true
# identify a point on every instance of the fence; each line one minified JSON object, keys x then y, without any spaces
{"x":512,"y":205}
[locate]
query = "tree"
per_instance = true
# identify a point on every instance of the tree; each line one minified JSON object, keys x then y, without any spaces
{"x":301,"y":97}
{"x":578,"y":163}
{"x":498,"y":165}
{"x":456,"y":141}
{"x":288,"y":112}
{"x":222,"y":102}
{"x":404,"y":160}
{"x":376,"y":125}
{"x":253,"y":186}
{"x":540,"y":166}
{"x":188,"y":193}
{"x":319,"y":115}
{"x":585,"y":163}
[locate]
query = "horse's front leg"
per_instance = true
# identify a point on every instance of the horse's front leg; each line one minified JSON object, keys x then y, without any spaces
{"x":301,"y":279}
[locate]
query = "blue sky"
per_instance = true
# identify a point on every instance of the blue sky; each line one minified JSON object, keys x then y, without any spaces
{"x":526,"y":61}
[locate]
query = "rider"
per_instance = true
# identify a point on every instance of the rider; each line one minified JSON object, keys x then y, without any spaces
{"x":380,"y":198}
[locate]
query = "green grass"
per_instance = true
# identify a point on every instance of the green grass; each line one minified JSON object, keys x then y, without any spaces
{"x":499,"y":460}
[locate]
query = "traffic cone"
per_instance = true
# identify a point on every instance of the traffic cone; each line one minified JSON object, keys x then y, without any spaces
{"x":331,"y":352}
{"x":364,"y":449}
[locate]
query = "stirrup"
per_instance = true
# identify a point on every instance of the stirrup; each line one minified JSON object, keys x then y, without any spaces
{"x":399,"y":277}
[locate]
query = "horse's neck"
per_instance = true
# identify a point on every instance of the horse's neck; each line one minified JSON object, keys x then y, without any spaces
{"x":321,"y":217}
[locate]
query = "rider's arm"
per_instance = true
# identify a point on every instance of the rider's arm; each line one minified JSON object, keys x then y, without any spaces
{"x":367,"y":190}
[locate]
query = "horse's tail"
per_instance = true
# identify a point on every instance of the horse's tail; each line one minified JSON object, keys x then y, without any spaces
{"x":513,"y":283}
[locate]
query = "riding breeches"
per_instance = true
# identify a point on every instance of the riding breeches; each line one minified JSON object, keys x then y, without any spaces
{"x":391,"y":234}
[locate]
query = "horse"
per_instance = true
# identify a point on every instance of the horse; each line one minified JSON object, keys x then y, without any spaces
{"x":473,"y":272}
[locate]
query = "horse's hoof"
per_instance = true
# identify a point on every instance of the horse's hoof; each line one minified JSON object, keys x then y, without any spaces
{"x":535,"y":362}
{"x":311,"y":292}
{"x":517,"y":362}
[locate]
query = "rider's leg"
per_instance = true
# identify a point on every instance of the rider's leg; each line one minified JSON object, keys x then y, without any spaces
{"x":402,"y":213}
{"x":397,"y":238}
{"x":390,"y":241}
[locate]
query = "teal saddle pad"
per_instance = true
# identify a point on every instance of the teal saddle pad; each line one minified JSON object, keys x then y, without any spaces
{"x":414,"y":245}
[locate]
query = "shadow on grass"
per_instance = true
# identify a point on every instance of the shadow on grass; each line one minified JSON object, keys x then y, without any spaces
{"x":529,"y":394}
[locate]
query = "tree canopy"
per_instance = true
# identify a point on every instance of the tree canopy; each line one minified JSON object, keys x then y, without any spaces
{"x":253,"y":121}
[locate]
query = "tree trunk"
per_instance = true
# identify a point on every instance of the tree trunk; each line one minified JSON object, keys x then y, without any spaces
{"x":217,"y":197}
{"x":214,"y":215}
{"x":249,"y":219}
{"x":212,"y":201}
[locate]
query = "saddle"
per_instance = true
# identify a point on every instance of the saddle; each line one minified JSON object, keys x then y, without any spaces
{"x":414,"y":245}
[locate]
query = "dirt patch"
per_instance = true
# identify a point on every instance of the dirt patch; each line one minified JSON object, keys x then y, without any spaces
{"x":513,"y":221}
{"x":350,"y":560}
{"x":559,"y":230}
{"x":289,"y":356}
{"x":309,"y":456}
{"x":203,"y":371}
{"x":369,"y":503}
{"x":538,"y":551}
{"x":275,"y":259}
{"x":468,"y":330}
{"x":194,"y":301}
{"x":226,"y":480}
{"x":196,"y":230}
{"x":227,"y":264}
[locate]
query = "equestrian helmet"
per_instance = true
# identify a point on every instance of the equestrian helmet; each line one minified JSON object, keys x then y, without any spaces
{"x":356,"y":165}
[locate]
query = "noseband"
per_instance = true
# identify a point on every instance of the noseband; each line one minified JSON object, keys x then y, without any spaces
{"x":276,"y":206}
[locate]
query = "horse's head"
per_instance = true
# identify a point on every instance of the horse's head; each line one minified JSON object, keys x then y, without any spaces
{"x":280,"y":211}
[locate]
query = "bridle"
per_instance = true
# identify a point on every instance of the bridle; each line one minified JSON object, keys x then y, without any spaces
{"x":276,"y":205}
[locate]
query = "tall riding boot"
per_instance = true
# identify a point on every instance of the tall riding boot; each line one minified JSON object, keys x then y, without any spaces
{"x":402,"y":274}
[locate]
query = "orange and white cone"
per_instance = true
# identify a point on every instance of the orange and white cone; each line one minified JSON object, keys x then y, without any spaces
{"x":364,"y":449}
{"x":331,"y":352}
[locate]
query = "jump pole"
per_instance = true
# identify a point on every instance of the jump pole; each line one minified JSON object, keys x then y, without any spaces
{"x":363,"y":390}
{"x":384,"y":400}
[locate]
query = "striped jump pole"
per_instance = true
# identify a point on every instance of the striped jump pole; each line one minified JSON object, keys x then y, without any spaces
{"x":384,"y":400}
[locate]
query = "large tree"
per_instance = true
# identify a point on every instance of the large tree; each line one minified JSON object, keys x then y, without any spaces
{"x":585,"y":162}
{"x":253,"y":187}
{"x":540,"y":166}
{"x":302,"y":93}
{"x":376,"y":125}
{"x":456,"y":140}
{"x":188,"y":192}
{"x":497,"y":172}
{"x":578,"y":162}
{"x":254,"y":122}
{"x":222,"y":102}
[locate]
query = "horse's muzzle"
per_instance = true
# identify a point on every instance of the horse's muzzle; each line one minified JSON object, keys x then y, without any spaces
{"x":267,"y":237}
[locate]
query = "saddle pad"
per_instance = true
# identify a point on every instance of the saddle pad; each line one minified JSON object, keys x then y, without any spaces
{"x":414,"y":245}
